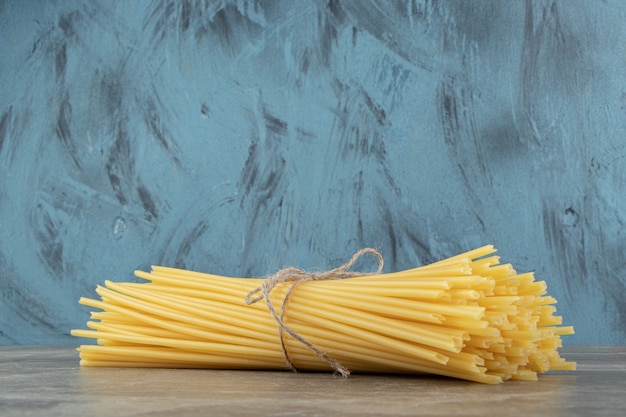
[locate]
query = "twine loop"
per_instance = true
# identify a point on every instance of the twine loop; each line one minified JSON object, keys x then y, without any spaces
{"x":298,"y":276}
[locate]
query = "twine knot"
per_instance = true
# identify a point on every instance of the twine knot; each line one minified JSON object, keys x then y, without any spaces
{"x":298,"y":276}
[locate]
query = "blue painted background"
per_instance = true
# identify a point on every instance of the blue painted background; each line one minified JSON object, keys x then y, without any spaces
{"x":239,"y":137}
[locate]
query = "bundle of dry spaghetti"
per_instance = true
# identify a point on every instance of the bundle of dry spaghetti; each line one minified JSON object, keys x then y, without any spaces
{"x":468,"y":317}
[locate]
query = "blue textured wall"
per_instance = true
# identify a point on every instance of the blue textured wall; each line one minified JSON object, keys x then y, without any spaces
{"x":239,"y":137}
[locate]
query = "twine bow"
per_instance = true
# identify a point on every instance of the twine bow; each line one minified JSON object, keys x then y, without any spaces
{"x":298,"y":276}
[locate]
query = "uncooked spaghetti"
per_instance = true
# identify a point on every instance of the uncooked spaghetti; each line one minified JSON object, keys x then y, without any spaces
{"x":468,"y":317}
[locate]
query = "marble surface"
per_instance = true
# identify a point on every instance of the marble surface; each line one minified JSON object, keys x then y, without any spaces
{"x":241,"y":136}
{"x":48,"y":381}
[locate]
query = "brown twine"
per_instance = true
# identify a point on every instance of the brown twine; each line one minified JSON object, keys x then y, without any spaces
{"x":298,"y":276}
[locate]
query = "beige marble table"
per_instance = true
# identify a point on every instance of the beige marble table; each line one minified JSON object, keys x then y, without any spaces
{"x":47,"y":381}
